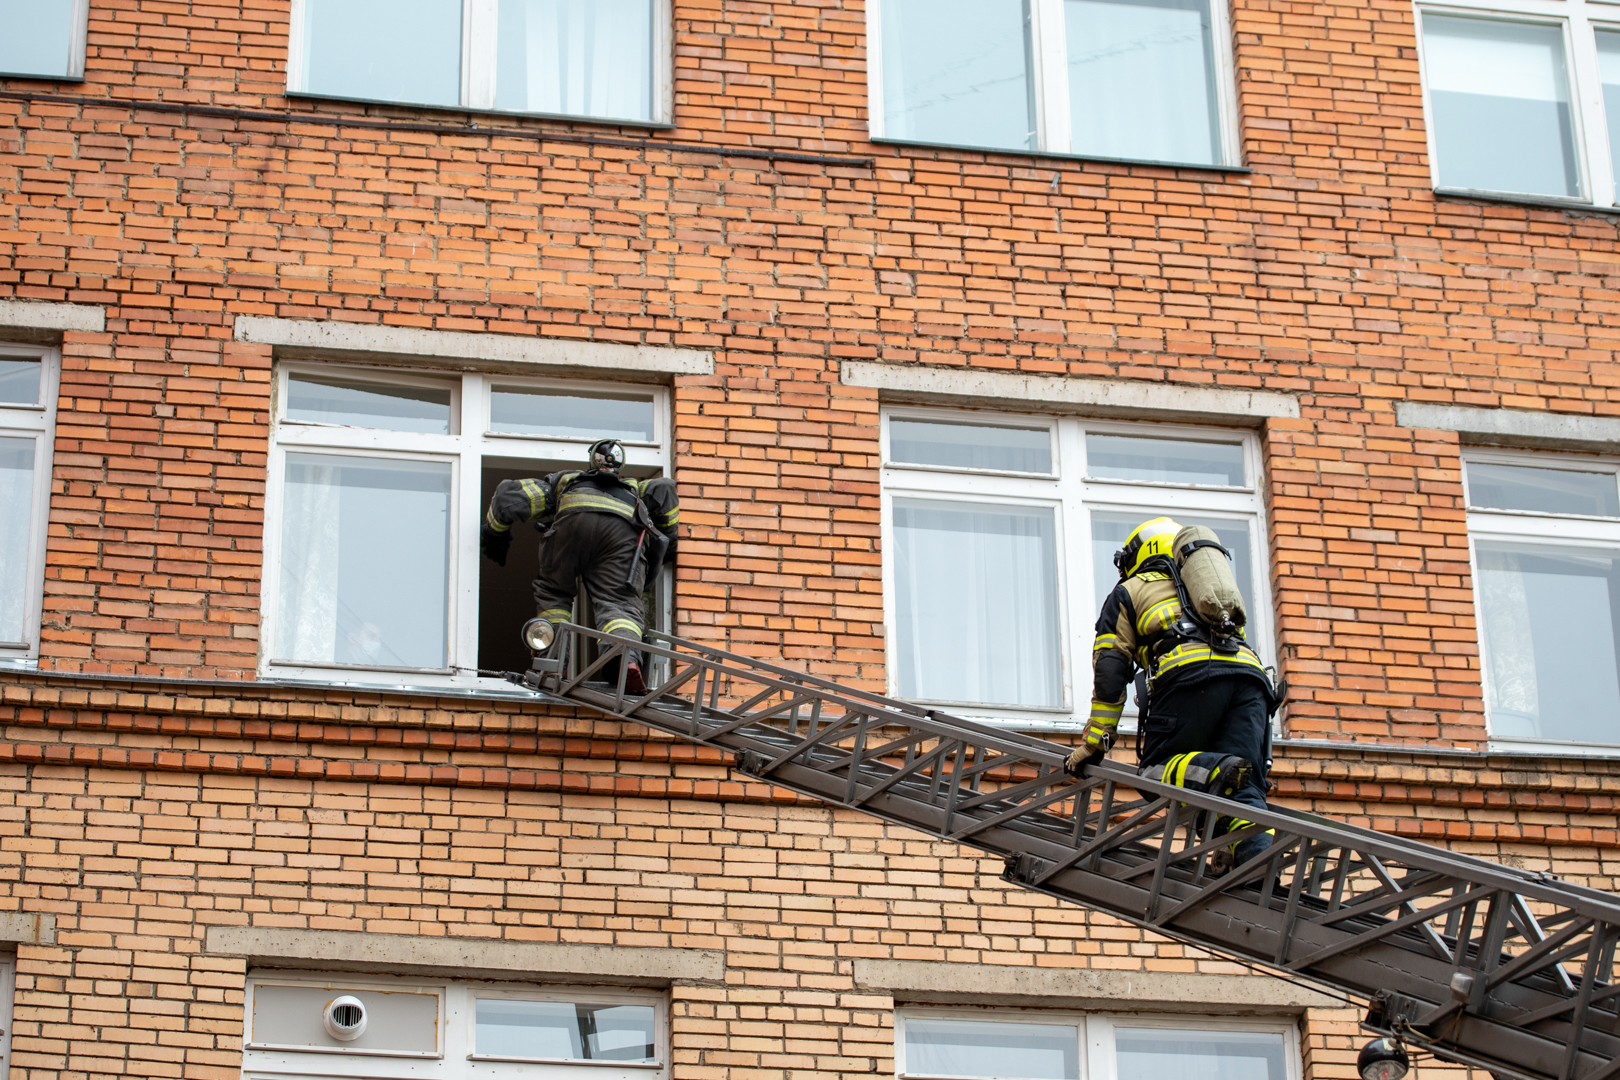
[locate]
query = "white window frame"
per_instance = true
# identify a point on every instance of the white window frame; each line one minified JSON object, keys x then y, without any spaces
{"x":1096,"y":1032}
{"x":1547,"y":530}
{"x":456,"y":1056}
{"x":1578,"y":19}
{"x":1049,"y":51}
{"x":76,"y":49}
{"x":465,"y":451}
{"x":1073,"y":495}
{"x":36,"y":422}
{"x":479,"y":23}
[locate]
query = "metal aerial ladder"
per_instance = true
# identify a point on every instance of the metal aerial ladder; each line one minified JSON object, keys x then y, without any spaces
{"x":1476,"y":963}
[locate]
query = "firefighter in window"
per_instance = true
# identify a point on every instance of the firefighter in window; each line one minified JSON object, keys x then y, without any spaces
{"x":611,"y":532}
{"x":1204,"y":699}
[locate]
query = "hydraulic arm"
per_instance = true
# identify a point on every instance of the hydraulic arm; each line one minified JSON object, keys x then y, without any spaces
{"x":1475,"y":962}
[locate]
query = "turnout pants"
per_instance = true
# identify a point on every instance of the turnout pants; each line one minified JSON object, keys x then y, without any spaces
{"x":1221,"y":714}
{"x":599,"y":549}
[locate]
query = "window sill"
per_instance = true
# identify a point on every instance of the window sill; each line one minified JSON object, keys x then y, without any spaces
{"x":1181,"y":166}
{"x":467,"y":110}
{"x":1545,"y":202}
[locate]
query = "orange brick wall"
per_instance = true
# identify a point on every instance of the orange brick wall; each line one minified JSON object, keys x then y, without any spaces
{"x":141,"y":819}
{"x":139,"y":814}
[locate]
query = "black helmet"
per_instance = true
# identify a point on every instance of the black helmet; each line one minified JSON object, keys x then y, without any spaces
{"x":606,"y":455}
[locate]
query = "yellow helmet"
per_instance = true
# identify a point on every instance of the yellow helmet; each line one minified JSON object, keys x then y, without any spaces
{"x":1148,"y":540}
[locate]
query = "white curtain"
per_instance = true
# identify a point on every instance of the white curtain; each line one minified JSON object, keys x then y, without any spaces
{"x":576,"y":57}
{"x":16,"y":521}
{"x":1510,"y":659}
{"x":307,"y":610}
{"x":977,"y":603}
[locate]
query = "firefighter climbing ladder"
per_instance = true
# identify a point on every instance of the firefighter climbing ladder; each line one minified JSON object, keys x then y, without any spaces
{"x":1475,"y":962}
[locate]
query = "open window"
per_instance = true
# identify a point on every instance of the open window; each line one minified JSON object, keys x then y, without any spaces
{"x":378,"y":483}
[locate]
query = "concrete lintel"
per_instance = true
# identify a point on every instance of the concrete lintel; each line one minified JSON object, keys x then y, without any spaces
{"x":1084,"y":988}
{"x":469,"y":957}
{"x":1127,"y":398}
{"x":1514,"y":427}
{"x":41,"y":315}
{"x":560,"y":356}
{"x":27,"y":929}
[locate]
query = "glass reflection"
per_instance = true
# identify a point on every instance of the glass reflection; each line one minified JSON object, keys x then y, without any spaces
{"x":981,"y":1048}
{"x":572,"y":414}
{"x":1549,"y":491}
{"x":564,"y":1031}
{"x":578,"y":57}
{"x":384,"y":50}
{"x":957,"y":72}
{"x":19,"y":381}
{"x":37,"y":37}
{"x":314,"y":399}
{"x":1157,"y":1053}
{"x":970,"y":446}
{"x":1142,"y":80}
{"x":1164,"y":461}
{"x":1548,"y":620}
{"x":1499,"y":94}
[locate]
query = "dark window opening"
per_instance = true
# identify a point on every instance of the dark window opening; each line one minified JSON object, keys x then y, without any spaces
{"x":506,"y":593}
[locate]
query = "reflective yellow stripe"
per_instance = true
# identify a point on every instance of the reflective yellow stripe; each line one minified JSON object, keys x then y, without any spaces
{"x":1159,"y":617}
{"x":1105,"y":641}
{"x":493,"y":522}
{"x":557,"y":614}
{"x":589,"y":500}
{"x":537,"y":496}
{"x":1197,"y":651}
{"x":614,"y":625}
{"x":1105,"y":713}
{"x":1175,"y":770}
{"x":671,"y":518}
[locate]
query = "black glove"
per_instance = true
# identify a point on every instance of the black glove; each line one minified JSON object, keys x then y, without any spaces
{"x":495,"y":544}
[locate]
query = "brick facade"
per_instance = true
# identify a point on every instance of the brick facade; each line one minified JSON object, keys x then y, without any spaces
{"x":178,"y":189}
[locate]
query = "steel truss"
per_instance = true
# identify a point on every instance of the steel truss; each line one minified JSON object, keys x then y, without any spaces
{"x":1475,"y":962}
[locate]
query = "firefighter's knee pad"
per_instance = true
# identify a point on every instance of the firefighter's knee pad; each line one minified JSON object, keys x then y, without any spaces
{"x":1215,"y":774}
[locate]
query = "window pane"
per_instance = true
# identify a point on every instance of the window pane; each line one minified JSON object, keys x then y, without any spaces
{"x":572,"y":414}
{"x":1167,"y":461}
{"x":1154,"y":1053}
{"x":1499,"y":92}
{"x":316,"y":400}
{"x":19,"y":381}
{"x":580,"y":57}
{"x":384,"y":50}
{"x":1608,"y":44}
{"x":562,"y":1030}
{"x":970,"y":446}
{"x":1549,"y":630}
{"x":957,"y":71}
{"x":1551,"y":491}
{"x":976,"y":595}
{"x":37,"y":38}
{"x":16,"y":520}
{"x":985,"y":1048}
{"x":365,"y":565}
{"x":1142,"y":80}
